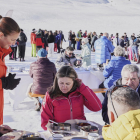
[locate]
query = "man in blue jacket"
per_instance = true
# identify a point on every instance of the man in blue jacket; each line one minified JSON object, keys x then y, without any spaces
{"x":131,"y":77}
{"x":103,"y":49}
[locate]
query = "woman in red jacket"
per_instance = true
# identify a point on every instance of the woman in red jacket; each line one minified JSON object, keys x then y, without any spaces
{"x":9,"y":32}
{"x":65,"y":100}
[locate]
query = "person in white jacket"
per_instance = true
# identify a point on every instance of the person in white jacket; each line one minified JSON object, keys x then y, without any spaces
{"x":116,"y":40}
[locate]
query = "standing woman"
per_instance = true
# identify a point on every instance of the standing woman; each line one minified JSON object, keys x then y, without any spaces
{"x":9,"y":32}
{"x":22,"y":44}
{"x":67,"y":97}
{"x":50,"y":44}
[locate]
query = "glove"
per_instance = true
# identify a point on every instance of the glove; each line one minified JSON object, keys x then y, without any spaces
{"x":9,"y":82}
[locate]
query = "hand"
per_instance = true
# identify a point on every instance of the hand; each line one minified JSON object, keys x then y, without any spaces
{"x":7,"y":137}
{"x":9,"y":82}
{"x":5,"y":129}
{"x":79,"y":81}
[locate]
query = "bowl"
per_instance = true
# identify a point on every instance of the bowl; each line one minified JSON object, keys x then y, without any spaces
{"x":62,"y":126}
{"x":93,"y":136}
{"x":80,"y":125}
{"x":85,"y":131}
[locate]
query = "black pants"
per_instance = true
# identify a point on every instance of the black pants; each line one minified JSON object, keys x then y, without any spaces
{"x":102,"y":86}
{"x":73,"y":45}
{"x":14,"y":51}
{"x":21,"y":51}
{"x":58,"y":46}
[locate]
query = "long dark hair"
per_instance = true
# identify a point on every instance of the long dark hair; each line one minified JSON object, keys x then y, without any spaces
{"x":65,"y":71}
{"x":8,"y":26}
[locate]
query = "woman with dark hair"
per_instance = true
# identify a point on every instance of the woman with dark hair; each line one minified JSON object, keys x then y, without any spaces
{"x":9,"y":32}
{"x":51,"y":44}
{"x":68,"y":95}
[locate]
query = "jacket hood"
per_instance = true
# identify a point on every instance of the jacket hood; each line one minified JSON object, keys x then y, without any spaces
{"x":125,"y":127}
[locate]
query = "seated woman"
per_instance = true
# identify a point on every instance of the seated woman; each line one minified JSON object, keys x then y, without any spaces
{"x":86,"y":53}
{"x":112,"y":71}
{"x":65,"y":100}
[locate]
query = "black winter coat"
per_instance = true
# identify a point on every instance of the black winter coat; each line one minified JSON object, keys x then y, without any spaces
{"x":22,"y":39}
{"x":51,"y":39}
{"x":121,"y":42}
{"x":73,"y":39}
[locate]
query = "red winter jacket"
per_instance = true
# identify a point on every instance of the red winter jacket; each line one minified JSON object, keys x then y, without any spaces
{"x":33,"y":38}
{"x":3,"y":68}
{"x":39,"y":42}
{"x":61,"y":108}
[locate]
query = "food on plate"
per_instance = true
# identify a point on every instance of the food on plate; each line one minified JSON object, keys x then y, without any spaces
{"x":92,"y":129}
{"x":62,"y":126}
{"x":80,"y":125}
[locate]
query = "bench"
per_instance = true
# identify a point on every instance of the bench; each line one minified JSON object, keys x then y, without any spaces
{"x":35,"y":95}
{"x":99,"y":90}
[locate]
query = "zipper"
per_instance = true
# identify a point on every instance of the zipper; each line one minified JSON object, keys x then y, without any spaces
{"x":70,"y":108}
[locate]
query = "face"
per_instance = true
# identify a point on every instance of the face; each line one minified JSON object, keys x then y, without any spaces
{"x":7,"y":41}
{"x":130,"y":79}
{"x":65,"y":84}
{"x":69,"y":53}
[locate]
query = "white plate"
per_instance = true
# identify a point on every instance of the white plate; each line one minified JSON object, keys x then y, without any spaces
{"x":16,"y":134}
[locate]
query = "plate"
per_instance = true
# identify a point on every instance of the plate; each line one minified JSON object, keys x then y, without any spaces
{"x":16,"y":134}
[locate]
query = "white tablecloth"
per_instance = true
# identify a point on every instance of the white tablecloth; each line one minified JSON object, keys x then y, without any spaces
{"x":90,"y":78}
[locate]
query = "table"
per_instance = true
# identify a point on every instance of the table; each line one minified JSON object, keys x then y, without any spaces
{"x":17,"y":95}
{"x":47,"y":134}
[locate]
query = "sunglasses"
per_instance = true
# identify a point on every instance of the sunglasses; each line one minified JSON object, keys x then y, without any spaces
{"x":110,"y":93}
{"x":70,"y":53}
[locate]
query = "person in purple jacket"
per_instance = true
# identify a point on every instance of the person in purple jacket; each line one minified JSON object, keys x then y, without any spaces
{"x":43,"y":72}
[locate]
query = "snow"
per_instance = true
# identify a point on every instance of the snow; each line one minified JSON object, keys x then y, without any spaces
{"x":92,"y":15}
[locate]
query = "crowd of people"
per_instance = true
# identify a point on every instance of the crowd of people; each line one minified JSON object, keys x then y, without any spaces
{"x":50,"y":41}
{"x":64,"y":92}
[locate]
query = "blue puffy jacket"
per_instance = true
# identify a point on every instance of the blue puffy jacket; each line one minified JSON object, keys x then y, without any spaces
{"x":113,"y":70}
{"x":103,"y":48}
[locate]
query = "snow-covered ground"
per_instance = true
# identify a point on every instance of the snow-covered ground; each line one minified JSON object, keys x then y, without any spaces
{"x":92,"y":15}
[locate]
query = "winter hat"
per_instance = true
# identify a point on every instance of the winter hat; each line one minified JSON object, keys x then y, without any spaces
{"x":42,"y":53}
{"x":85,"y":40}
{"x":33,"y":30}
